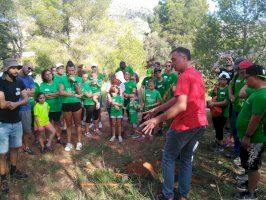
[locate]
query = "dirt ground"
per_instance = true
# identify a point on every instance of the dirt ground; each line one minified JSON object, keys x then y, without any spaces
{"x":76,"y":175}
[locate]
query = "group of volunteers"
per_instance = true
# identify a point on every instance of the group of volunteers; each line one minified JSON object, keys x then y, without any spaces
{"x":238,"y":105}
{"x":170,"y":97}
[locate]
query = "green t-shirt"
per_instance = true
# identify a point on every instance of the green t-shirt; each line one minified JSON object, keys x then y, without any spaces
{"x":249,"y":91}
{"x":54,"y":103}
{"x":58,"y":78}
{"x":171,"y":80}
{"x":145,"y":82}
{"x":69,"y":87}
{"x":41,"y":111}
{"x":85,"y":87}
{"x":127,"y":69}
{"x":255,"y":104}
{"x":117,"y":112}
{"x":36,"y":92}
{"x":161,"y":86}
{"x":236,"y":84}
{"x":133,"y":112}
{"x":222,"y":94}
{"x":130,"y":86}
{"x":151,"y":97}
{"x":96,"y":85}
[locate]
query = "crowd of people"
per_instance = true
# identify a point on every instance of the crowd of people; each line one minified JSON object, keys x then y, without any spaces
{"x":170,"y":97}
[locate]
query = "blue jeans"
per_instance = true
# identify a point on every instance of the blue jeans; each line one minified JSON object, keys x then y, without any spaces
{"x":234,"y":130}
{"x":179,"y":143}
{"x":10,"y":136}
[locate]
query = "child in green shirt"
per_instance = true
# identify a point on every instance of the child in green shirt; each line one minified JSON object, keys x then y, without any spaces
{"x":96,"y":85}
{"x":116,"y":112}
{"x":42,"y":123}
{"x":133,"y":108}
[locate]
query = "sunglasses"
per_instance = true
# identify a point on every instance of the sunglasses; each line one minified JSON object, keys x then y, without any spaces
{"x":30,"y":69}
{"x":168,"y":65}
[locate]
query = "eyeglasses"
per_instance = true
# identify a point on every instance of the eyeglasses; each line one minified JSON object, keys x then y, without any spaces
{"x":30,"y":69}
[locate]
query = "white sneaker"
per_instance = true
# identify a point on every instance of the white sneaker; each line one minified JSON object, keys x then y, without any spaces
{"x":237,"y":161}
{"x":98,"y":131}
{"x":120,"y":139}
{"x":100,"y":125}
{"x":91,"y":125}
{"x":112,"y":139}
{"x":68,"y":147}
{"x":79,"y":146}
{"x":98,"y":106}
{"x":88,"y":135}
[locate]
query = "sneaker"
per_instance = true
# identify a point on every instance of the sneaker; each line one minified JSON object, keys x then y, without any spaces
{"x":91,"y":125}
{"x":4,"y":187}
{"x":220,"y":149}
{"x":68,"y":147}
{"x":242,"y":187}
{"x":18,"y":175}
{"x":112,"y":139}
{"x":88,"y":135}
{"x":98,"y":106}
{"x":79,"y":146}
{"x":98,"y":131}
{"x":83,"y":123}
{"x":120,"y":139}
{"x":246,"y":196}
{"x":100,"y":125}
{"x":237,"y":161}
{"x":29,"y":151}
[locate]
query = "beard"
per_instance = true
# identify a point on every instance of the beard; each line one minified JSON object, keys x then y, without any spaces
{"x":12,"y":76}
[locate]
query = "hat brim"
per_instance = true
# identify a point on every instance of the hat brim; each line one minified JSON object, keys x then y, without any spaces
{"x":4,"y":69}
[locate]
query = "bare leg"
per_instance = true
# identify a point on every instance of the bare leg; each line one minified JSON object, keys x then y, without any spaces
{"x":77,"y":120}
{"x":41,"y":141}
{"x":68,"y":120}
{"x":3,"y":164}
{"x":119,"y":127}
{"x":14,"y":156}
{"x":58,"y":129}
{"x":253,"y":180}
{"x":113,"y":125}
{"x":51,"y":137}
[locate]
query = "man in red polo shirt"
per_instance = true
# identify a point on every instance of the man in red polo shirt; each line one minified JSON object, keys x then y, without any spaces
{"x":187,"y":108}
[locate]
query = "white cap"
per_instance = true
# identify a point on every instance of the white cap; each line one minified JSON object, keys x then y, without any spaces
{"x":59,"y":65}
{"x":227,"y":76}
{"x":120,"y":76}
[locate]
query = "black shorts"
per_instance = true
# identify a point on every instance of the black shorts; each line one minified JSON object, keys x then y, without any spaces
{"x":91,"y":112}
{"x":251,"y":158}
{"x":71,"y":107}
{"x":55,"y":116}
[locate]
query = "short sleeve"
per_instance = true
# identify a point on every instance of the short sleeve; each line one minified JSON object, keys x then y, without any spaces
{"x":35,"y":110}
{"x":258,"y":105}
{"x":22,"y":85}
{"x":159,"y":97}
{"x":31,"y":83}
{"x":183,"y":85}
{"x":1,"y":85}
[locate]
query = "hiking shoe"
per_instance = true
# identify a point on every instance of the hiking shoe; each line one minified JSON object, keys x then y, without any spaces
{"x":79,"y":146}
{"x":88,"y":135}
{"x":18,"y":175}
{"x":246,"y":196}
{"x":112,"y":139}
{"x":4,"y":187}
{"x":100,"y":125}
{"x":120,"y":139}
{"x":29,"y":151}
{"x":68,"y":147}
{"x":242,"y":187}
{"x":162,"y":197}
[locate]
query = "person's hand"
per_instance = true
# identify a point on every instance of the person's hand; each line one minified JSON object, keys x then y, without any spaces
{"x":11,"y":105}
{"x":245,"y":142}
{"x":72,"y":78}
{"x":150,"y":114}
{"x":78,"y":95}
{"x":211,"y":104}
{"x":149,"y":125}
{"x":116,"y":107}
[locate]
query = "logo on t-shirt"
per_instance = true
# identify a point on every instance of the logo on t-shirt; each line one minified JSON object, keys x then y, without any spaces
{"x":17,"y":92}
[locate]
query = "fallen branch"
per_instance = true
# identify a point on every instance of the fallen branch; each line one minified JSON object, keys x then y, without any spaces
{"x":90,"y":184}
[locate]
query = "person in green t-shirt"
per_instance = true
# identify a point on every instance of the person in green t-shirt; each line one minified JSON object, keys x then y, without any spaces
{"x":51,"y":90}
{"x":222,"y":101}
{"x":151,"y":99}
{"x":96,"y":85}
{"x":116,"y":112}
{"x":42,"y":123}
{"x":60,"y":72}
{"x":90,"y":106}
{"x":130,"y":90}
{"x":124,"y":68}
{"x":251,"y":128}
{"x":234,"y":88}
{"x":171,"y":79}
{"x":161,"y":84}
{"x":133,"y":108}
{"x":71,"y":95}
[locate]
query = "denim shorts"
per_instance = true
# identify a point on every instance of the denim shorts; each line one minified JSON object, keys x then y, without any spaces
{"x":10,"y":136}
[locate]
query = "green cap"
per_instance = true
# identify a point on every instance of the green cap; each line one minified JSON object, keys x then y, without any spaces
{"x":149,"y":72}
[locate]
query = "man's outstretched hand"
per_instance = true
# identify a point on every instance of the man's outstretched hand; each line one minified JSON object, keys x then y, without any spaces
{"x":149,"y":114}
{"x":149,"y":125}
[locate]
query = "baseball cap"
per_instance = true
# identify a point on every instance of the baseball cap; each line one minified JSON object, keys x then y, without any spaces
{"x":59,"y":65}
{"x":10,"y":62}
{"x":257,"y":70}
{"x":237,"y":61}
{"x":224,"y":75}
{"x":245,"y":64}
{"x":149,"y":72}
{"x":157,"y":69}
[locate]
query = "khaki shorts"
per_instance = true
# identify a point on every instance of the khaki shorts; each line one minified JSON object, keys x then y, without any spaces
{"x":26,"y":120}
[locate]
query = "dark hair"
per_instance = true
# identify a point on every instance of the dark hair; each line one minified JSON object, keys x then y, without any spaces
{"x":151,"y":80}
{"x":70,"y":64}
{"x":43,"y":75}
{"x":184,"y":51}
{"x":38,"y":96}
{"x":80,"y":66}
{"x":122,"y":64}
{"x":112,"y":89}
{"x":157,"y":63}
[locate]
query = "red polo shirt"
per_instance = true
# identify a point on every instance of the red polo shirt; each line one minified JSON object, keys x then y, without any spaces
{"x":190,"y":83}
